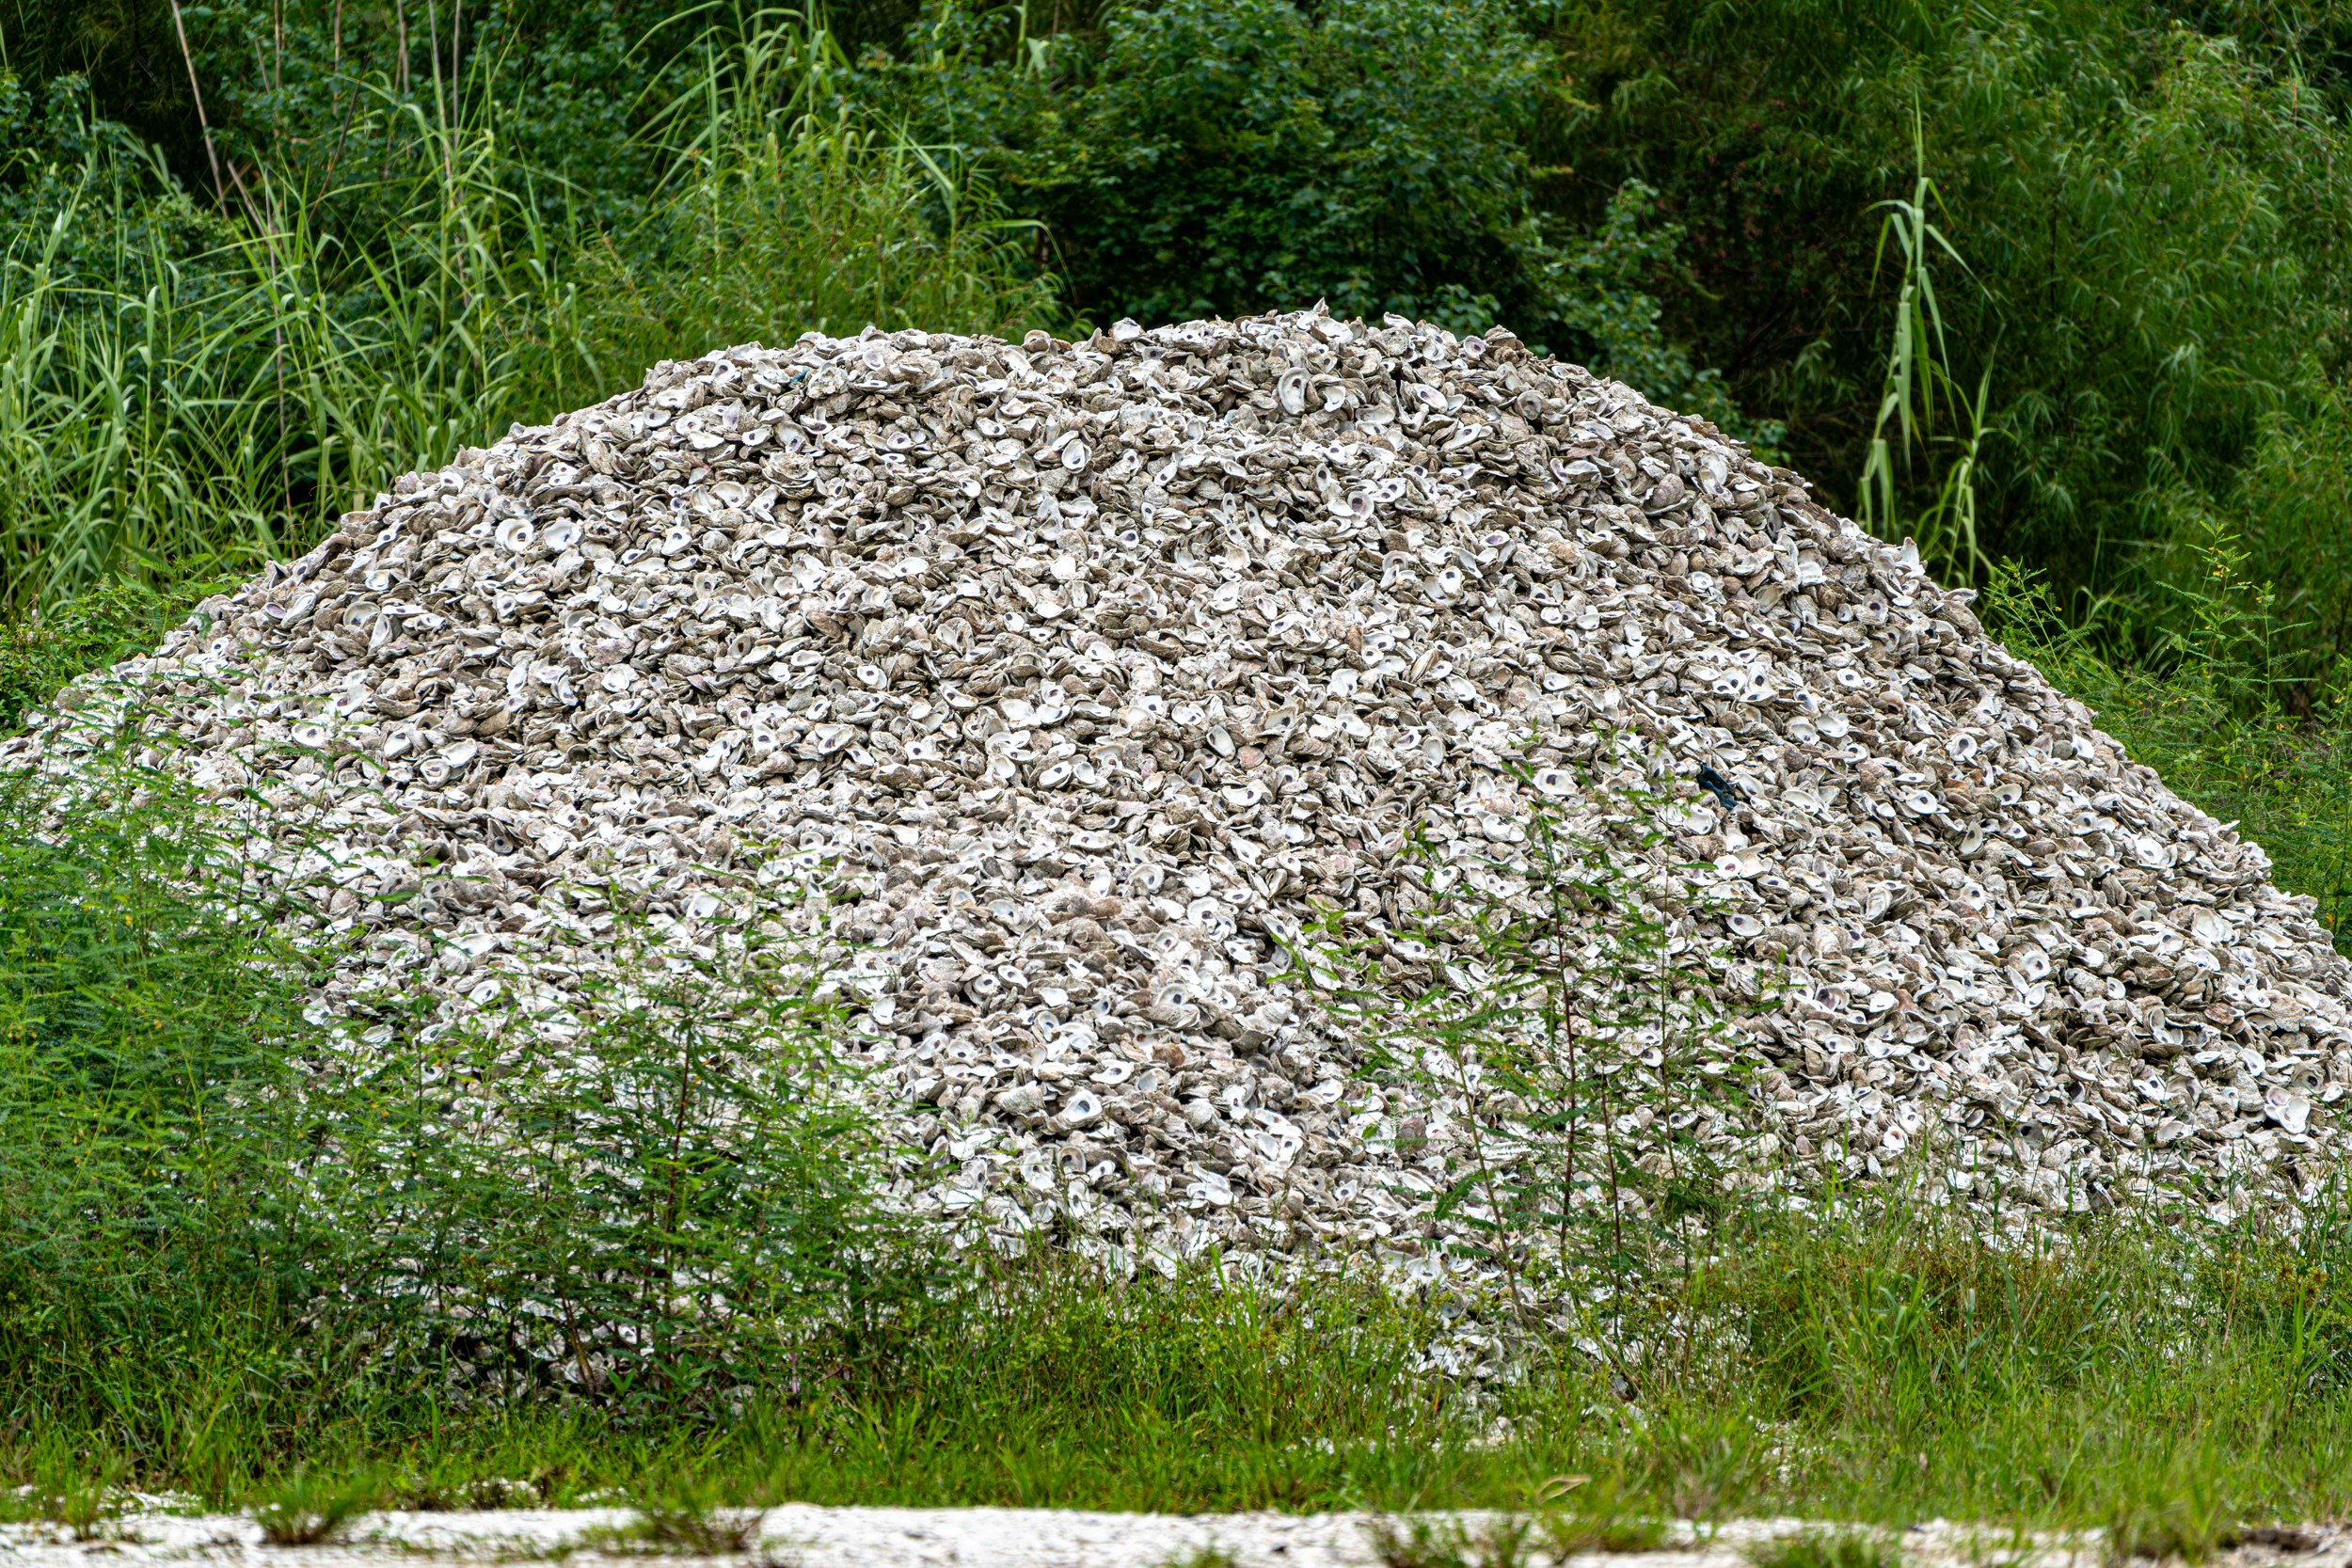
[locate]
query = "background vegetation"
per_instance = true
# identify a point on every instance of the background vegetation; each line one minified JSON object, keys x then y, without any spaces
{"x":2058,"y":288}
{"x":294,"y":246}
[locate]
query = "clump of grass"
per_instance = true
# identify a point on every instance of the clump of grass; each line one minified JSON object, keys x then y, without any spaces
{"x":307,"y":1508}
{"x":1599,"y":1515}
{"x":1205,"y":1556}
{"x":1506,"y":1542}
{"x":79,"y":1487}
{"x":1826,"y":1549}
{"x":2172,"y":1510}
{"x":1572,"y":1534}
{"x":1699,"y":1458}
{"x":687,"y":1513}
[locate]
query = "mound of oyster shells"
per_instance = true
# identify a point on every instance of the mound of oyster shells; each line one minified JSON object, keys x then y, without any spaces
{"x":1089,"y":671}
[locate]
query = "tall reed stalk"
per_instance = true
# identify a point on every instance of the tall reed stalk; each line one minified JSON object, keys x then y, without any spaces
{"x":1932,"y":416}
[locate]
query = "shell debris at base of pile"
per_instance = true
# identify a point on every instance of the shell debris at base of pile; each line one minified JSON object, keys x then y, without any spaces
{"x":1093,"y":670}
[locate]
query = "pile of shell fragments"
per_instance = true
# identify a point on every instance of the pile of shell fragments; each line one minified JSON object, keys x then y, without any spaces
{"x":1090,"y":672}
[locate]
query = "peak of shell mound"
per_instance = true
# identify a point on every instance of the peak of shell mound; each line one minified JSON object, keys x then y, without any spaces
{"x":1090,"y":672}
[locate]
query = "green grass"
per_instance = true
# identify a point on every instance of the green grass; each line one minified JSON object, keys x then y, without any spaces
{"x":2208,"y":714}
{"x":186,"y":394}
{"x":2173,"y":1386}
{"x":1826,"y":1549}
{"x":1509,"y":1542}
{"x":687,"y":1514}
{"x":304,"y":1509}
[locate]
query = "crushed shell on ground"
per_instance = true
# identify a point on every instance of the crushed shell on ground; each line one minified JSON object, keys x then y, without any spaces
{"x":1092,"y":670}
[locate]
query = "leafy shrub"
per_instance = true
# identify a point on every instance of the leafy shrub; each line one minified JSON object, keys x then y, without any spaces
{"x":1564,"y":1001}
{"x":204,"y":1194}
{"x":1205,"y":159}
{"x":1228,"y":157}
{"x":145,"y":1049}
{"x":647,"y":1196}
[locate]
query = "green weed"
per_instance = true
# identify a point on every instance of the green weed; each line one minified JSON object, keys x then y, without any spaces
{"x":1507,"y":1542}
{"x":306,"y":1508}
{"x":1919,"y":395}
{"x":107,"y":623}
{"x":1588,"y":1514}
{"x":1826,"y":1549}
{"x":1703,"y":1460}
{"x":77,"y":1486}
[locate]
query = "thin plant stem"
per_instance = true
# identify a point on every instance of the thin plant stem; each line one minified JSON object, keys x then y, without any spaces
{"x":440,"y":106}
{"x":220,"y":197}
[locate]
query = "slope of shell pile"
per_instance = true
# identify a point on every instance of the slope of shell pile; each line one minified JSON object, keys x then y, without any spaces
{"x":1094,"y":669}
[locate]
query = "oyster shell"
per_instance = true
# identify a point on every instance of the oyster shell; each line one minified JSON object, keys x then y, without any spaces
{"x":1090,"y":673}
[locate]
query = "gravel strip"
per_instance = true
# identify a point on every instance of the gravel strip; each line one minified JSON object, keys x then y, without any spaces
{"x":1000,"y":1538}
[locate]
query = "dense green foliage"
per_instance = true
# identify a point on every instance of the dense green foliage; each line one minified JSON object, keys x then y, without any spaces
{"x":141,"y":1042}
{"x":2141,"y":213}
{"x":2148,"y":201}
{"x":2141,"y":210}
{"x":192,"y":378}
{"x":218,"y":1216}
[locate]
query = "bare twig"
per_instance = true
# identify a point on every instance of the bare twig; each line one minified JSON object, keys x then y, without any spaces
{"x":350,"y":102}
{"x":220,"y":195}
{"x":440,"y":107}
{"x":257,"y":213}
